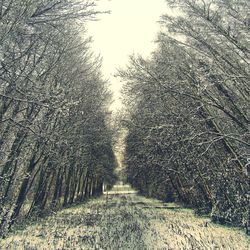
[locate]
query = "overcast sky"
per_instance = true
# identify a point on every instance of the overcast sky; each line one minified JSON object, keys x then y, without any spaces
{"x":130,"y":28}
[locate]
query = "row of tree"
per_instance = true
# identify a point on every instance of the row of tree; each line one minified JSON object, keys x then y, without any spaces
{"x":55,"y":143}
{"x":189,"y":110}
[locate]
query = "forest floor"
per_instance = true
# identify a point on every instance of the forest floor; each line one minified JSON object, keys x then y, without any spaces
{"x":122,"y":221}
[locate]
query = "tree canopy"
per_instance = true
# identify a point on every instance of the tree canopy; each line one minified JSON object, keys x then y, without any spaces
{"x":55,"y":141}
{"x":188,"y":110}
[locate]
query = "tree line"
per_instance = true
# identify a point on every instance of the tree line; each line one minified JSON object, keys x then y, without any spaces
{"x":55,"y":141}
{"x":188,"y":110}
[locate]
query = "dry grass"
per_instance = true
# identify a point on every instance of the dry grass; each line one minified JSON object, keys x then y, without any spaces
{"x":125,"y":222}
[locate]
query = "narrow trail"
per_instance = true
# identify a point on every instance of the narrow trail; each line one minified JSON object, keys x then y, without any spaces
{"x":123,"y":220}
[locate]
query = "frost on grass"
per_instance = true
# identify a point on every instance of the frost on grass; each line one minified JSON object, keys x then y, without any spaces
{"x":125,"y":222}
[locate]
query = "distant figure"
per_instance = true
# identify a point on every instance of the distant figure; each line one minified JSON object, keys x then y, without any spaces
{"x":120,"y":183}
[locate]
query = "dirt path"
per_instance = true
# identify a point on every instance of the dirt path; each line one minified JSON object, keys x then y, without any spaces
{"x":125,"y":221}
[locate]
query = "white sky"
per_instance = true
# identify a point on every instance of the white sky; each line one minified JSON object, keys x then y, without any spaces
{"x":130,"y":28}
